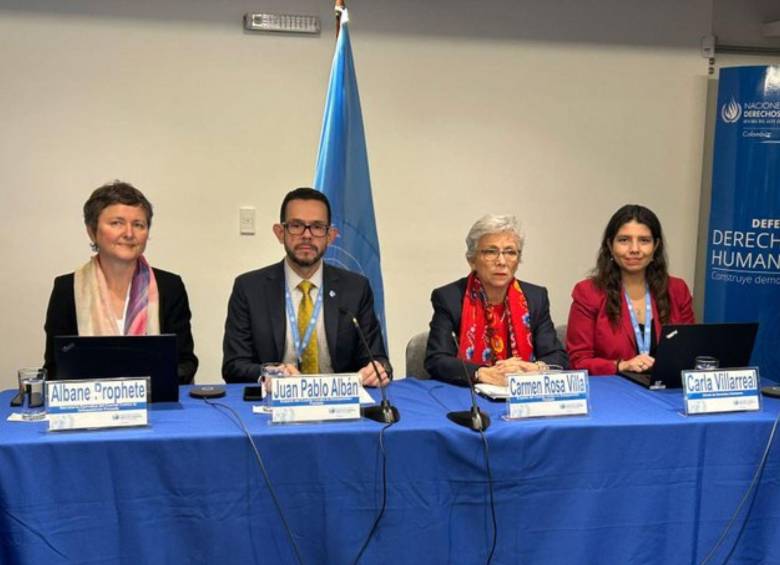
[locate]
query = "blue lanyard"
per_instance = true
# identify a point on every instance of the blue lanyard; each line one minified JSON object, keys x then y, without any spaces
{"x":292,"y":318}
{"x":642,"y":344}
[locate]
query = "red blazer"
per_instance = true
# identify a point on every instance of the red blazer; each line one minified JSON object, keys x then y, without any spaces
{"x":595,"y":344}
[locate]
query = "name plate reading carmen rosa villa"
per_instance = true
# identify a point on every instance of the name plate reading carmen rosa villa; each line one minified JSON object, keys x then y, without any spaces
{"x":721,"y":390}
{"x":542,"y":395}
{"x":90,"y":404}
{"x":315,"y":398}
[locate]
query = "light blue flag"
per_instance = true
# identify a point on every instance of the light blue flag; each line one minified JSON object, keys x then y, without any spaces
{"x":342,"y":174}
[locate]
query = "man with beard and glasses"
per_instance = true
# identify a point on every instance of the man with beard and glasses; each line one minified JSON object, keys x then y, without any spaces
{"x":302,"y":300}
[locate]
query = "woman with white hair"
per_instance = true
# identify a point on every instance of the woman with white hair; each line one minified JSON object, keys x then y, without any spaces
{"x":491,"y":321}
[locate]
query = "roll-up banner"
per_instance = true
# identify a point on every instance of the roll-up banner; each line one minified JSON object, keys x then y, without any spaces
{"x":743,"y":250}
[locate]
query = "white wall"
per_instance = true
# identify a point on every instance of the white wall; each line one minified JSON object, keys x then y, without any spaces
{"x":558,"y":113}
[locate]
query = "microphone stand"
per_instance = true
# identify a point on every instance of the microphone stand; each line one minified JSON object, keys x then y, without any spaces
{"x":773,"y":391}
{"x":384,"y":412}
{"x":473,"y":419}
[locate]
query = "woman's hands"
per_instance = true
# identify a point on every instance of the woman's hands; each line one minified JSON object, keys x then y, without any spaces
{"x":639,"y":364}
{"x":496,"y":375}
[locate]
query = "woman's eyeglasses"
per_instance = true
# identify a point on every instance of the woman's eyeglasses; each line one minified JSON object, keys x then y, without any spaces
{"x":492,"y":254}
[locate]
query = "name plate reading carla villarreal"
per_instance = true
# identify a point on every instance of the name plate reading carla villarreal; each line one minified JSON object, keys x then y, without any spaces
{"x":315,"y":398}
{"x":721,"y":390}
{"x":544,"y":395}
{"x":92,"y":403}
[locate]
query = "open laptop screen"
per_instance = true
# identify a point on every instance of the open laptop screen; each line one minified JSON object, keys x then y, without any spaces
{"x":101,"y":357}
{"x":730,"y":344}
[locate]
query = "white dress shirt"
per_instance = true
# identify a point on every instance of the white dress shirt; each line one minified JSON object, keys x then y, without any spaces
{"x":292,"y":280}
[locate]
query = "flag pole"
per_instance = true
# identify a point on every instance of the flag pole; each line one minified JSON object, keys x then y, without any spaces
{"x":339,"y":6}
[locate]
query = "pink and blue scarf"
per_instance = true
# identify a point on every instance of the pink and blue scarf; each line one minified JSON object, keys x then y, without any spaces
{"x":94,"y":315}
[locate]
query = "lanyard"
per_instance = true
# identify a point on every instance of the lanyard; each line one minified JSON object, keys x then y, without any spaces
{"x":292,"y":318}
{"x":642,"y":344}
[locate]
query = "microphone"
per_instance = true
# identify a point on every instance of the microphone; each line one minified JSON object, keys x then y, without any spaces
{"x":773,"y":391}
{"x":383,"y":412}
{"x":474,"y":419}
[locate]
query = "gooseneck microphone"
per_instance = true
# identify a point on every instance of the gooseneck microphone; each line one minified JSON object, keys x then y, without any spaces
{"x":474,"y":419}
{"x":384,"y":412}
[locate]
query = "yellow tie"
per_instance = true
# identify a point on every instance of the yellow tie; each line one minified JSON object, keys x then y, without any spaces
{"x":309,"y":357}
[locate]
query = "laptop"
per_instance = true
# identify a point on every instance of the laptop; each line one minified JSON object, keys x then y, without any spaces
{"x":730,"y":344}
{"x":104,"y":357}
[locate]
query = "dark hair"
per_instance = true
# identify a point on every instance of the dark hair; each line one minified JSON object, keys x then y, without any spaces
{"x":116,"y":192}
{"x":607,"y":276}
{"x":303,"y":193}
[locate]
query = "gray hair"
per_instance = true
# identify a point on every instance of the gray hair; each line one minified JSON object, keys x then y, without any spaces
{"x":490,"y":224}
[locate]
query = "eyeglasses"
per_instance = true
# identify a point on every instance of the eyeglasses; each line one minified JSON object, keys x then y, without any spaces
{"x":317,"y":229}
{"x":492,"y":254}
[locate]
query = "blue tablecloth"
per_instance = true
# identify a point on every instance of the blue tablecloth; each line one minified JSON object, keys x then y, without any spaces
{"x":634,"y":482}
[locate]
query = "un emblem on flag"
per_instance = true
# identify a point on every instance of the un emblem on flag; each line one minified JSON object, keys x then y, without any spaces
{"x":731,"y":112}
{"x":340,"y":257}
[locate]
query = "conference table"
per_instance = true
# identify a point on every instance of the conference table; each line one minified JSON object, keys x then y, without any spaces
{"x":635,"y":481}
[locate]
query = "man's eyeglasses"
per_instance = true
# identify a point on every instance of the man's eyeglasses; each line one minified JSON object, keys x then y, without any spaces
{"x":317,"y":229}
{"x":492,"y":254}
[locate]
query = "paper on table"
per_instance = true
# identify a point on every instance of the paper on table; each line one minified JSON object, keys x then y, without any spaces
{"x":365,"y":398}
{"x":19,"y":417}
{"x":492,"y":391}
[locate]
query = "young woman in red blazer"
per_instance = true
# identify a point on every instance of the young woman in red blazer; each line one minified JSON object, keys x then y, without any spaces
{"x":608,"y":330}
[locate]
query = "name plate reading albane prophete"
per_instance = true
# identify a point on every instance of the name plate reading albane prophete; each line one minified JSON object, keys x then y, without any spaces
{"x":103,"y":403}
{"x":315,"y":398}
{"x":721,"y":390}
{"x":543,"y":395}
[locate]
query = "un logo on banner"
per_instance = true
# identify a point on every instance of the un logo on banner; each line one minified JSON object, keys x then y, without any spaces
{"x":731,"y":112}
{"x":340,"y":257}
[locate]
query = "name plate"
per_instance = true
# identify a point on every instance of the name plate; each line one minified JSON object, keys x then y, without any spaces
{"x":89,"y":403}
{"x":315,"y":398}
{"x":542,"y":395}
{"x":721,"y":390}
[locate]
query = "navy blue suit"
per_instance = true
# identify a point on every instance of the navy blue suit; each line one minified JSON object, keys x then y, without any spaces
{"x":441,"y":359}
{"x":256,"y":325}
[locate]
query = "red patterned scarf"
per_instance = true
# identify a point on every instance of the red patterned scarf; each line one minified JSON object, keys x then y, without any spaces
{"x":484,"y":329}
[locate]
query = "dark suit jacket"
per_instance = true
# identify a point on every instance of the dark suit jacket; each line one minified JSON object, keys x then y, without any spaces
{"x":595,"y":344}
{"x":174,"y":319}
{"x":441,"y":359}
{"x":256,"y":325}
